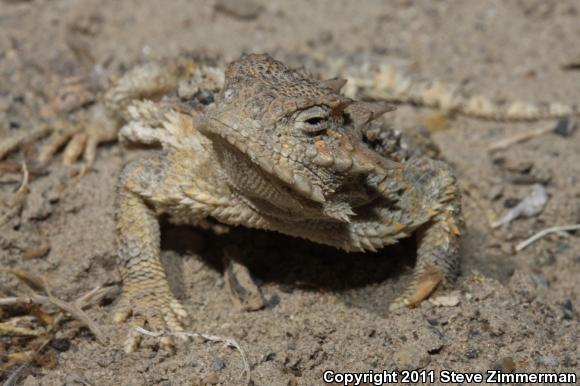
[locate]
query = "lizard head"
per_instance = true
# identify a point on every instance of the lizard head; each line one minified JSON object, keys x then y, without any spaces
{"x":291,"y":143}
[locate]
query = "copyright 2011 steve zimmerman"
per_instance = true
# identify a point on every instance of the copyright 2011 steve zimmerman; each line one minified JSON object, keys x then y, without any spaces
{"x":444,"y":376}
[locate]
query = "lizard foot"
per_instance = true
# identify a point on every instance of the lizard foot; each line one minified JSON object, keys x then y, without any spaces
{"x":153,"y":308}
{"x":421,"y":287}
{"x":77,"y":138}
{"x":242,"y":288}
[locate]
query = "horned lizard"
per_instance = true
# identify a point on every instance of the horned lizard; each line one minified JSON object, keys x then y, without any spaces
{"x":273,"y":148}
{"x":280,"y":151}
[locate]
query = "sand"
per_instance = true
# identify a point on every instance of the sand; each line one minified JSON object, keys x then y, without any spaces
{"x":328,"y":310}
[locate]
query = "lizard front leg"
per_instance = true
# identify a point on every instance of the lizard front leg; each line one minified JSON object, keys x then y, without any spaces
{"x":146,"y":293}
{"x":438,"y":241}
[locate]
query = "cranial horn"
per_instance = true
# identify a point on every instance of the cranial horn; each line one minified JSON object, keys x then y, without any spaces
{"x":340,"y":107}
{"x":334,"y":84}
{"x":362,"y":113}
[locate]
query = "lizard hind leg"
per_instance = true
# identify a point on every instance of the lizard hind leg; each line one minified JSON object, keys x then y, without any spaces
{"x":245,"y":293}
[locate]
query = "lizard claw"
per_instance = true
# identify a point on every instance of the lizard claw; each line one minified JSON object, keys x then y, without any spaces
{"x":156,"y":310}
{"x":421,"y":287}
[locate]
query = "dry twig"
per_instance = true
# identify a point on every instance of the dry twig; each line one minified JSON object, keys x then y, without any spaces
{"x":10,"y":329}
{"x":15,"y":141}
{"x":19,"y":196}
{"x":23,"y":189}
{"x":547,"y":231}
{"x":74,"y":309}
{"x":521,"y":137}
{"x":71,"y":308}
{"x":214,"y":338}
{"x":21,"y":370}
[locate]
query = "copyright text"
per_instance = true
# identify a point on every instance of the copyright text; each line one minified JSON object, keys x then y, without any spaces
{"x":444,"y":376}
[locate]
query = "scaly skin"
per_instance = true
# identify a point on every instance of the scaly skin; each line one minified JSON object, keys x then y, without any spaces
{"x":277,"y":151}
{"x":84,"y":128}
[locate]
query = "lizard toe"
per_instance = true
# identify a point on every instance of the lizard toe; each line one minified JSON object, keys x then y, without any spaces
{"x":160,"y":313}
{"x":420,"y":288}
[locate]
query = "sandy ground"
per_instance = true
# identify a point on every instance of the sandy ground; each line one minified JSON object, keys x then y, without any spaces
{"x":328,"y":310}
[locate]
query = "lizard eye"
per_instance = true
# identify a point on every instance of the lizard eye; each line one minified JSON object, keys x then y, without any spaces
{"x":313,"y":120}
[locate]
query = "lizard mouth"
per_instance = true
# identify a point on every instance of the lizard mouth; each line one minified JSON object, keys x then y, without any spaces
{"x":270,"y":160}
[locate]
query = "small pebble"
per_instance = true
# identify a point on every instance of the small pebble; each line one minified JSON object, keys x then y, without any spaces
{"x":565,"y":126}
{"x":322,"y":39}
{"x":205,"y":97}
{"x":211,"y":379}
{"x":273,"y":302}
{"x":105,"y":361}
{"x":567,"y":309}
{"x":239,"y":9}
{"x":569,"y":361}
{"x":410,"y":357}
{"x":472,"y":354}
{"x":288,"y":289}
{"x":540,"y":280}
{"x":549,"y":360}
{"x":496,"y":192}
{"x":537,"y":175}
{"x":436,"y":122}
{"x":571,"y":65}
{"x":545,"y":259}
{"x":450,"y":300}
{"x":53,"y":196}
{"x":506,"y":364}
{"x":562,"y":245}
{"x":60,"y":344}
{"x":325,"y":37}
{"x":218,"y":364}
{"x":519,"y":166}
{"x":511,"y":202}
{"x":292,"y":345}
{"x":524,"y":286}
{"x":498,"y":160}
{"x":267,"y":357}
{"x":77,"y":379}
